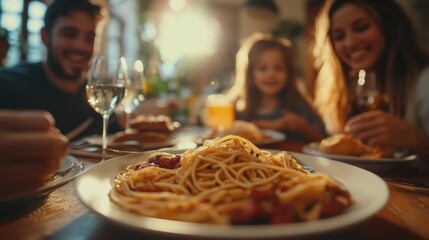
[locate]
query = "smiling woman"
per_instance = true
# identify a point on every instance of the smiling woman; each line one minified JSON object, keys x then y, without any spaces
{"x":367,"y":29}
{"x":379,"y":37}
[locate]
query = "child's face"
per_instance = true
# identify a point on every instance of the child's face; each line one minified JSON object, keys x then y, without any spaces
{"x":270,"y":72}
{"x":356,"y":37}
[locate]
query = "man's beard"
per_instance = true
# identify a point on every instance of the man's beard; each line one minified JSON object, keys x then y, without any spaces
{"x":58,"y":69}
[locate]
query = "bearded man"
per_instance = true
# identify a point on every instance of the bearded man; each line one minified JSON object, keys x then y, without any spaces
{"x":57,"y":84}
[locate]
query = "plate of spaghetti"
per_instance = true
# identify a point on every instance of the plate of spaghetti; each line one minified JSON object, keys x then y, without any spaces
{"x":229,"y":188}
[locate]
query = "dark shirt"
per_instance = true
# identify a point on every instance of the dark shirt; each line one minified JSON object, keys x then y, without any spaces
{"x":26,"y":87}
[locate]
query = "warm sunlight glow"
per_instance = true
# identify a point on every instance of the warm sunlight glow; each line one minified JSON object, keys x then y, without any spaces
{"x":149,"y":31}
{"x":187,"y":33}
{"x":124,"y":63}
{"x":361,"y":79}
{"x":138,"y":66}
{"x":177,"y":5}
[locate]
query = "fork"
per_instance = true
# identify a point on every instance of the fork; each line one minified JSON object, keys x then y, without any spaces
{"x":310,"y":169}
{"x":306,"y":166}
{"x":80,"y":128}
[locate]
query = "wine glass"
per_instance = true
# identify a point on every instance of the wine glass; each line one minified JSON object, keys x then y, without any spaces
{"x":107,"y":81}
{"x":368,"y":96}
{"x":135,"y":92}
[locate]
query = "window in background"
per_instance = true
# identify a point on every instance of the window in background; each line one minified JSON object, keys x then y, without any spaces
{"x":115,"y":30}
{"x":23,"y":20}
{"x":119,"y":32}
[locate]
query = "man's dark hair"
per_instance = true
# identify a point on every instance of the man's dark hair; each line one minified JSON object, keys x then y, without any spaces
{"x":59,"y":8}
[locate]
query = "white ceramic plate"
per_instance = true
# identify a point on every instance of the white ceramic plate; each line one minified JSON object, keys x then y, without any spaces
{"x":369,"y":192}
{"x":314,"y":149}
{"x":98,"y":140}
{"x":273,"y":136}
{"x":70,"y":167}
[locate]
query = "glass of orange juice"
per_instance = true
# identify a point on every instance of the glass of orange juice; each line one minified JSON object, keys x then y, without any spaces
{"x":219,"y":112}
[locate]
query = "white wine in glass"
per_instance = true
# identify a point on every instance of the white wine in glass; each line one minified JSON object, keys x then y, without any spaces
{"x":106,"y":87}
{"x":135,"y":92}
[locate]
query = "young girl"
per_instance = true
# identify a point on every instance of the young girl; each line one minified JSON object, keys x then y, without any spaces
{"x":376,"y":36}
{"x":266,"y":92}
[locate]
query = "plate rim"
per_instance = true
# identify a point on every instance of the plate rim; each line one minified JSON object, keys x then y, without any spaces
{"x":97,"y":139}
{"x":233,"y":232}
{"x":52,"y":184}
{"x":313,"y":149}
{"x":276,"y":136}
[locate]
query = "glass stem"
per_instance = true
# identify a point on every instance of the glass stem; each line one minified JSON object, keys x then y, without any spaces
{"x":105,"y":123}
{"x":127,"y":122}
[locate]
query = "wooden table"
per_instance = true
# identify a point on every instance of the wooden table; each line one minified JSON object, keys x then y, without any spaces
{"x":61,"y":215}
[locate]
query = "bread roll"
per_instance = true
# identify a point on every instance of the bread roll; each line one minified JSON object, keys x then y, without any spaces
{"x":141,"y":137}
{"x":345,"y":144}
{"x":246,"y":130}
{"x":159,"y":123}
{"x":342,"y":144}
{"x":374,"y":152}
{"x":243,"y":129}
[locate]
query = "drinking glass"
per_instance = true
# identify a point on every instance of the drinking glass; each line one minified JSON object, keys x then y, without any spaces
{"x":135,"y":92}
{"x":219,"y":112}
{"x":368,"y":96}
{"x":107,"y":81}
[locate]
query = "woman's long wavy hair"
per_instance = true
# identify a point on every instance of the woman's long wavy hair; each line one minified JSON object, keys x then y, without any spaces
{"x":244,"y":91}
{"x":397,"y":70}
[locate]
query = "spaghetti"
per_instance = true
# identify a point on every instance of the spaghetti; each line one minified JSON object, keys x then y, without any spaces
{"x":227,"y":180}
